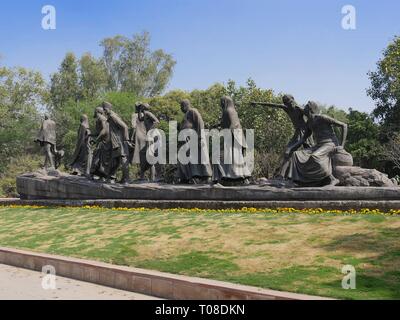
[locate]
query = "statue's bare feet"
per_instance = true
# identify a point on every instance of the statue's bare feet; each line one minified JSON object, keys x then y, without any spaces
{"x":215,"y":183}
{"x":125,"y":182}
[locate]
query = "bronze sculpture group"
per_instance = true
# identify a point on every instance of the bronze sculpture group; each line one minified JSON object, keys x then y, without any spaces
{"x":307,"y":161}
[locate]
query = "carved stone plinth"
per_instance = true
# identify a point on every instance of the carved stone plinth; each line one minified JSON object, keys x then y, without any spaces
{"x":66,"y":187}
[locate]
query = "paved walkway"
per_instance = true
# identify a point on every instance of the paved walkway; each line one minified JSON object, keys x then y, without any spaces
{"x":22,"y":284}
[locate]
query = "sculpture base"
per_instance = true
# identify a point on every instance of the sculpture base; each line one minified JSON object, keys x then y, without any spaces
{"x":38,"y":186}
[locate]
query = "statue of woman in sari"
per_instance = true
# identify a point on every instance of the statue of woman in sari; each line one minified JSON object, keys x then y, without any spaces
{"x":313,"y":166}
{"x":200,"y":171}
{"x":233,"y":168}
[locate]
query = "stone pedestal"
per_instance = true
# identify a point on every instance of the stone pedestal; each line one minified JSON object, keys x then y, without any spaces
{"x":60,"y":186}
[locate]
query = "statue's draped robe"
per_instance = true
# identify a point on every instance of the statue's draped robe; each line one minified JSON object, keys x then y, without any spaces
{"x":237,"y":169}
{"x":102,"y":155}
{"x":82,"y":158}
{"x":314,"y":165}
{"x":193,"y":120}
{"x":145,"y":121}
{"x":300,"y":126}
{"x":119,"y":137}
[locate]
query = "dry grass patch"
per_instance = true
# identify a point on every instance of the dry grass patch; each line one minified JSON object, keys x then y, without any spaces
{"x":292,"y":252}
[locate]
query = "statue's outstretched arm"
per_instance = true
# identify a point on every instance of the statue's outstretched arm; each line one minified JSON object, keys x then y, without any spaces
{"x":123,"y":126}
{"x":271,"y":105}
{"x":339,"y":124}
{"x":153,"y":118}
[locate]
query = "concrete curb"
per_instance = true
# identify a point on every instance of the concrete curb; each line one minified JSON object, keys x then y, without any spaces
{"x":153,"y":283}
{"x":385,"y":205}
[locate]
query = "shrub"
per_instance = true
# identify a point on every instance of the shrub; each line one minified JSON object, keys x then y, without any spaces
{"x":16,"y":167}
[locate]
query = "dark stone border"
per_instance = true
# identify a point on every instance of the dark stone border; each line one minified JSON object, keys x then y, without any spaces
{"x":384,"y":205}
{"x":158,"y":284}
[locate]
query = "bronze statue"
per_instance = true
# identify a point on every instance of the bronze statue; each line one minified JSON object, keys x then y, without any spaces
{"x":144,"y":122}
{"x":236,"y":171}
{"x":199,"y":172}
{"x":313,"y":166}
{"x":102,"y":154}
{"x":120,"y":144}
{"x":47,"y":141}
{"x":82,"y":158}
{"x":296,"y":115}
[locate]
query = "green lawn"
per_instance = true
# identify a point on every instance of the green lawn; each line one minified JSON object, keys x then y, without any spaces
{"x":292,"y":252}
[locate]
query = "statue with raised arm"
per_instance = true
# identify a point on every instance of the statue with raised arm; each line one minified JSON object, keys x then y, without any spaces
{"x":145,"y":121}
{"x":314,"y":166}
{"x":200,"y":171}
{"x":82,"y":158}
{"x":47,"y":141}
{"x":296,"y":116}
{"x":120,"y":144}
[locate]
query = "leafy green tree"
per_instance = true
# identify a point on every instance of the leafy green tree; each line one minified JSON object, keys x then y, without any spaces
{"x":112,"y":50}
{"x":64,"y":86}
{"x":22,"y":93}
{"x":385,"y":87}
{"x":133,"y":67}
{"x":208,"y":102}
{"x":336,"y":113}
{"x":363,"y":140}
{"x":272,"y":127}
{"x":92,"y":77}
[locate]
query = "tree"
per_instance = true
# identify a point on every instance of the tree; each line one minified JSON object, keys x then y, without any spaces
{"x":112,"y":50}
{"x":64,"y":86}
{"x":272,"y":127}
{"x":392,"y":151}
{"x":132,"y":67}
{"x":363,"y":140}
{"x":336,"y":113}
{"x":385,"y":87}
{"x":22,"y":93}
{"x":92,"y":77}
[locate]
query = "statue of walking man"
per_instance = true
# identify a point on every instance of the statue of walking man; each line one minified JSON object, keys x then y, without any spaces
{"x":102,"y":154}
{"x":120,"y":144}
{"x":144,"y":122}
{"x":47,"y":140}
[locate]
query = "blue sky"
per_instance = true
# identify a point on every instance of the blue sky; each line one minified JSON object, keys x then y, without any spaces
{"x":296,"y":47}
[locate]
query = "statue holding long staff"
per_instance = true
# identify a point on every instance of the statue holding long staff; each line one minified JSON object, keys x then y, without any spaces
{"x":296,"y":115}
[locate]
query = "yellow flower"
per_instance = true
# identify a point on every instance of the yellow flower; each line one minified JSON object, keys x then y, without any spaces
{"x":308,"y":211}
